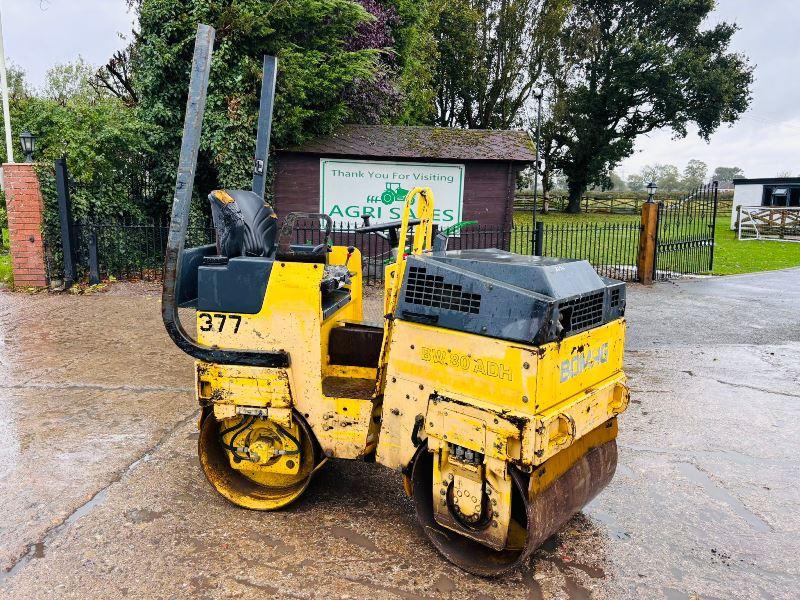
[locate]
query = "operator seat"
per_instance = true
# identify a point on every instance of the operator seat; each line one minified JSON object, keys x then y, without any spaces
{"x":245,"y":224}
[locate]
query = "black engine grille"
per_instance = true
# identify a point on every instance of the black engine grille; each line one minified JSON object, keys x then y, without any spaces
{"x":431,"y":290}
{"x":581,"y":313}
{"x":615,"y":298}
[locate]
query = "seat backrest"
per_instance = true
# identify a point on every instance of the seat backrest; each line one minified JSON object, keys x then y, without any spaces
{"x":245,"y":224}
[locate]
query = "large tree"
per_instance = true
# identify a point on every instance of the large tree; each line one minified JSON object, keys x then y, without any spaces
{"x":695,"y":174}
{"x":727,"y":174}
{"x":632,"y":66}
{"x":490,"y":56}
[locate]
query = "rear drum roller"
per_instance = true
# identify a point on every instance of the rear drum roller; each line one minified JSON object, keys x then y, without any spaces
{"x":254,"y":489}
{"x":534,"y":517}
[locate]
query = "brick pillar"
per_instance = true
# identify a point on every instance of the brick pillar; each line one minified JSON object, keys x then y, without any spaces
{"x":25,"y":206}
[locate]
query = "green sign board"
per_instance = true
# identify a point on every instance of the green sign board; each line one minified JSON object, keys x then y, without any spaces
{"x":352,"y":188}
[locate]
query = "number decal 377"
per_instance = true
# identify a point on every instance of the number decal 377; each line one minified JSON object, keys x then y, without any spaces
{"x":220,"y":323}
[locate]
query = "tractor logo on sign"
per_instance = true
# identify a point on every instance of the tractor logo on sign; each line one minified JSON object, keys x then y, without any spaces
{"x":393,"y":193}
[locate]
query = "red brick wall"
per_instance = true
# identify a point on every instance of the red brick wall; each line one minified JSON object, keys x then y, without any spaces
{"x":488,"y":188}
{"x":24,"y":204}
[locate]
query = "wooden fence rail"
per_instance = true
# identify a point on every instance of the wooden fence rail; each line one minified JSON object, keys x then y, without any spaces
{"x":612,"y":203}
{"x":768,"y":223}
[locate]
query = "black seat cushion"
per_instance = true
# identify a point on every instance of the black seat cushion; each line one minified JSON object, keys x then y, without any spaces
{"x":245,"y":224}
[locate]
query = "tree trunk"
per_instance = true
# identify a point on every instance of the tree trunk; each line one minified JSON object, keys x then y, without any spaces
{"x":576,"y":190}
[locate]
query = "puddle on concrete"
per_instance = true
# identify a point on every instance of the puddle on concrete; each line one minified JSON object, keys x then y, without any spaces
{"x":37,"y":550}
{"x":625,"y":471}
{"x":695,"y":475}
{"x":9,"y":438}
{"x":142,"y":515}
{"x":614,"y":528}
{"x":734,"y":456}
{"x":354,"y":538}
{"x":444,"y":586}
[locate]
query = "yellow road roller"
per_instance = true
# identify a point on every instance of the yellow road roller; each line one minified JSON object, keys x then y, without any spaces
{"x":492,"y":384}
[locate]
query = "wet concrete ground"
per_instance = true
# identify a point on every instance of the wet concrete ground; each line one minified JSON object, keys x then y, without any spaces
{"x":101,"y":495}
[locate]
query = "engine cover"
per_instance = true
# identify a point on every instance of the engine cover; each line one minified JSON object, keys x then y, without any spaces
{"x":528,"y":299}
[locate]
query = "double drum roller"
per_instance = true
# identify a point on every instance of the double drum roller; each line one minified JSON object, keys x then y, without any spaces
{"x":492,"y":385}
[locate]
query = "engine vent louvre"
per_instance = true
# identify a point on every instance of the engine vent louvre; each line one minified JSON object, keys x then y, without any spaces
{"x":615,"y":298}
{"x":431,"y":290}
{"x":581,"y":313}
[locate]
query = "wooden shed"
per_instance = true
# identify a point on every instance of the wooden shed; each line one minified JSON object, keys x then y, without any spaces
{"x":367,"y":169}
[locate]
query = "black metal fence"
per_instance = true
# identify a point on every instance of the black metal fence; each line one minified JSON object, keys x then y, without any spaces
{"x":135,"y":250}
{"x":684,"y":242}
{"x":129,"y":249}
{"x":611,"y":248}
{"x":376,"y":251}
{"x":685,"y":235}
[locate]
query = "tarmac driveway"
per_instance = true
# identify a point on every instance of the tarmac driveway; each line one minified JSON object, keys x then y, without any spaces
{"x":101,"y":495}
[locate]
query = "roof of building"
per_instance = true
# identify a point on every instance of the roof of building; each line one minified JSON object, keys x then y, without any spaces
{"x":768,"y":181}
{"x":394,"y":141}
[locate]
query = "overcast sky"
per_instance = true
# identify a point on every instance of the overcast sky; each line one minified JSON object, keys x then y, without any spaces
{"x":764,"y":142}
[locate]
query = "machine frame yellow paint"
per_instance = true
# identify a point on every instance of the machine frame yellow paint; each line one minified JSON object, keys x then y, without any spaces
{"x":515,"y":404}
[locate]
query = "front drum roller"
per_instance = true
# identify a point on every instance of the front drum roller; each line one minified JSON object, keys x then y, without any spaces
{"x":535,"y":516}
{"x":250,"y":489}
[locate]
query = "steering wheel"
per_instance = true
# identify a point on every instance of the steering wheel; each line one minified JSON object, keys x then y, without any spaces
{"x":388,"y":226}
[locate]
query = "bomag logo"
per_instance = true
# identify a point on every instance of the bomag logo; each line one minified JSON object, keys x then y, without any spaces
{"x":465,"y":362}
{"x":582,"y":361}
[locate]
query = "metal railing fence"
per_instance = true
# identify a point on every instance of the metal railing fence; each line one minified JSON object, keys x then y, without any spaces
{"x":127,"y":249}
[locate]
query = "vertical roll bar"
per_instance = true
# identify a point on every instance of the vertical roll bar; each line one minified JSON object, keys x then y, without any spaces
{"x":264,"y":124}
{"x":187,"y":164}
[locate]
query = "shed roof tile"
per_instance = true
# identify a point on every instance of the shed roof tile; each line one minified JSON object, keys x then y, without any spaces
{"x":393,"y":141}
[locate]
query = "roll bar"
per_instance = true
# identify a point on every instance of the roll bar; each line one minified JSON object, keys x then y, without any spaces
{"x":190,"y":145}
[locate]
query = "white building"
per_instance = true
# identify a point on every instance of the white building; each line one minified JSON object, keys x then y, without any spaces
{"x":774,"y":191}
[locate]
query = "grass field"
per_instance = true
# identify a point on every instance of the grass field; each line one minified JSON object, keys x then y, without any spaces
{"x":731,"y":256}
{"x":5,"y":260}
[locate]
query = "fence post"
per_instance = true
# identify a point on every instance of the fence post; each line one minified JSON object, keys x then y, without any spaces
{"x":94,"y":266}
{"x":645,"y":262}
{"x":538,"y":239}
{"x":713,"y":229}
{"x":67,"y":222}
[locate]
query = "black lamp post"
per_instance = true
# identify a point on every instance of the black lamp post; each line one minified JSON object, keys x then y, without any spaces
{"x":28,"y":141}
{"x":537,"y":93}
{"x":651,"y":191}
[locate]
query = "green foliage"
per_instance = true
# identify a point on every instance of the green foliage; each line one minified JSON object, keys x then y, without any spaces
{"x":104,"y":143}
{"x":616,"y":182}
{"x":315,"y":69}
{"x":70,"y":82}
{"x":627,"y":67}
{"x":727,"y":174}
{"x":695,"y":174}
{"x":636,"y":182}
{"x":668,"y":179}
{"x":490,"y":55}
{"x":416,"y":54}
